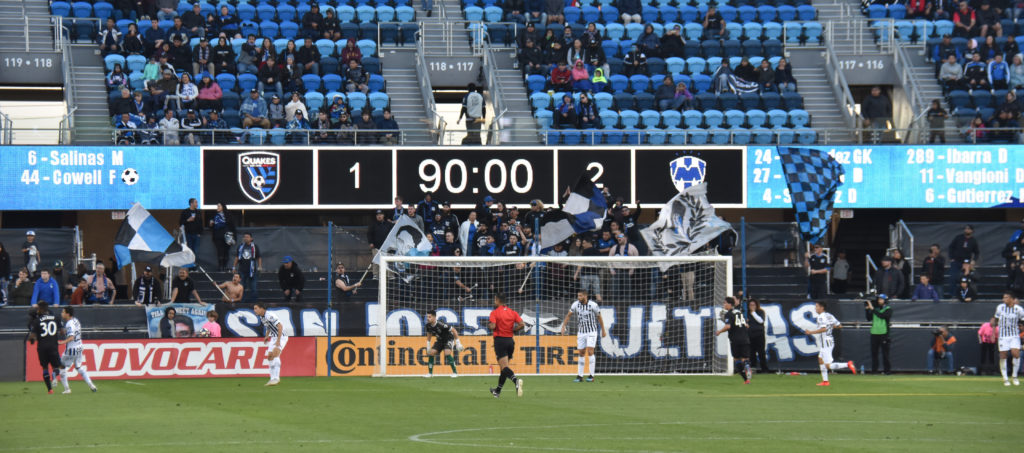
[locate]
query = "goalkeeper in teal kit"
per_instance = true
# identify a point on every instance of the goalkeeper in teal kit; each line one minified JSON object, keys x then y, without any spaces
{"x":445,"y":338}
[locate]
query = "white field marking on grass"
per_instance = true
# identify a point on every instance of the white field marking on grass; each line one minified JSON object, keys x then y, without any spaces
{"x":226,"y":443}
{"x":422,"y":437}
{"x":133,"y":383}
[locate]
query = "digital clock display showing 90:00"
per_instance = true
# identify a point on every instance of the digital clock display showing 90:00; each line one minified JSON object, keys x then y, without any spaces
{"x":464,"y":176}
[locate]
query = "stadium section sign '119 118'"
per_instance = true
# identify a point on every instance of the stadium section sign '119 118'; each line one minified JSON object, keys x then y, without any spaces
{"x":953,"y":176}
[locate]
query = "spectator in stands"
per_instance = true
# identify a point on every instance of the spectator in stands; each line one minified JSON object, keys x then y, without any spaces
{"x":635,"y":62}
{"x":588,"y":277}
{"x":876,"y":110}
{"x":167,"y":322}
{"x":228,"y":22}
{"x":840,"y":273}
{"x":410,"y":212}
{"x":366,"y":127}
{"x":988,"y":18}
{"x":295,"y":104}
{"x":357,"y":79}
{"x":166,"y":9}
{"x":965,"y":24}
{"x":46,"y":289}
{"x":965,"y":291}
{"x":964,"y":248}
{"x":183,"y":289}
{"x":270,"y":75}
{"x":1010,"y":47}
{"x":265,"y":51}
{"x":941,"y":349}
{"x":193,"y":21}
{"x":531,"y":34}
{"x":210,"y":95}
{"x":889,"y":280}
{"x":554,"y":11}
{"x":580,"y":78}
{"x":191,"y":221}
{"x":30,"y":249}
{"x":211,"y":328}
{"x":919,"y":9}
{"x":178,"y":30}
{"x":630,"y":10}
{"x":987,"y":335}
{"x":714,"y":24}
{"x":180,"y":54}
{"x":186,"y":92}
{"x":514,"y":11}
{"x":665,"y":94}
{"x":672,"y":43}
{"x":942,"y":51}
{"x":531,"y":59}
{"x":560,"y":79}
{"x":649,"y":42}
{"x":153,"y":37}
{"x":899,"y":262}
{"x":599,"y":82}
{"x":925,"y":290}
{"x":933,"y":266}
{"x":290,"y":50}
{"x":222,"y":226}
{"x":1017,"y":73}
{"x":190,"y":123}
{"x":377,"y":232}
{"x":202,"y":57}
{"x":101,"y":288}
{"x":343,"y":282}
{"x":290,"y":279}
{"x":132,"y":42}
{"x":254,"y":111}
{"x":817,"y":277}
{"x":300,"y":127}
{"x":150,"y":131}
{"x":998,"y":73}
{"x":937,"y":122}
{"x":474,"y":110}
{"x":389,"y":128}
{"x":1005,"y":127}
{"x":972,"y":48}
{"x":346,"y":128}
{"x":122,"y":104}
{"x":249,"y":263}
{"x":125,"y":126}
{"x":276,"y":113}
{"x":169,"y":127}
{"x":337,"y":108}
{"x":247,"y":58}
{"x":147,"y":288}
{"x":745,"y":70}
{"x":721,"y":79}
{"x":988,"y":48}
{"x":575,"y":52}
{"x":309,"y":57}
{"x":784,"y":79}
{"x":322,"y":124}
{"x":951,"y":74}
{"x":313,"y":22}
{"x":977,"y":131}
{"x":565,"y":114}
{"x":351,"y":52}
{"x":19,"y":292}
{"x":109,"y":39}
{"x":587,"y":113}
{"x":766,"y":77}
{"x":5,"y":273}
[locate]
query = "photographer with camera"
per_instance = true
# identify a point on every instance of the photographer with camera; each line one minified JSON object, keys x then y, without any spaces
{"x":941,"y":349}
{"x":880,"y":315}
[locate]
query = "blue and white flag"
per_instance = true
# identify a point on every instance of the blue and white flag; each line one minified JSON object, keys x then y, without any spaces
{"x":405,"y":239}
{"x":583,"y":211}
{"x":141,"y":238}
{"x":813,"y":178}
{"x":685,"y":225}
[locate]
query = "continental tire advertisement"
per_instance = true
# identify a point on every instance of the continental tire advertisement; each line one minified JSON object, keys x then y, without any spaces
{"x":358,"y":356}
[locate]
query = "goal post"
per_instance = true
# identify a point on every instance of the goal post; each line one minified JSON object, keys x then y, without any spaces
{"x":659,"y":313}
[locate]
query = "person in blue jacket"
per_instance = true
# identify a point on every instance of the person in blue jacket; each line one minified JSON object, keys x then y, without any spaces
{"x":46,"y":289}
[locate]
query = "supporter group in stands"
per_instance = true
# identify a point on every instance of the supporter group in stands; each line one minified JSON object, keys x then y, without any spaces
{"x":632,"y":71}
{"x":976,"y":50}
{"x":275,"y":66}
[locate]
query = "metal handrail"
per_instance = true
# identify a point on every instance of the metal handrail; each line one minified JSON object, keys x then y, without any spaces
{"x":6,"y":129}
{"x":869,"y":268}
{"x":436,"y":121}
{"x":62,"y":43}
{"x":901,"y":60}
{"x":497,"y":95}
{"x":841,"y":89}
{"x":899,"y":234}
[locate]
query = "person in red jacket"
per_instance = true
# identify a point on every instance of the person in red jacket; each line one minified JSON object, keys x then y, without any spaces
{"x":561,"y":78}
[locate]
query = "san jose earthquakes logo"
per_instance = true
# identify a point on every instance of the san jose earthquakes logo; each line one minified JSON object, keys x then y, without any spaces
{"x":687,"y":171}
{"x":259,"y":174}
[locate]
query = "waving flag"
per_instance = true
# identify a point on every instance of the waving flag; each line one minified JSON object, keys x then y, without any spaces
{"x":583,"y":211}
{"x":405,"y":239}
{"x":686,"y":223}
{"x":813,"y":178}
{"x":141,"y":238}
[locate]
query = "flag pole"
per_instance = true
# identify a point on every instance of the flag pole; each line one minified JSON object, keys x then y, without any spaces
{"x":221,"y":291}
{"x":330,"y":284}
{"x":367,"y":271}
{"x":743,"y":255}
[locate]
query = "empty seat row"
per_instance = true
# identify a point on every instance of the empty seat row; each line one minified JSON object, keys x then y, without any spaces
{"x":693,"y":136}
{"x":976,"y":99}
{"x":686,"y":13}
{"x":647,"y":119}
{"x":264,"y":12}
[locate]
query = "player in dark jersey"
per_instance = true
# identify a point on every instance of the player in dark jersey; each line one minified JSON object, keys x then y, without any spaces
{"x":47,"y":329}
{"x":739,"y":337}
{"x":446,"y":338}
{"x":504,"y":322}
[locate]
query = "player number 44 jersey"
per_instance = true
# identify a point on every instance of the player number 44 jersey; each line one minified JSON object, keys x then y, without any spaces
{"x":828,"y":322}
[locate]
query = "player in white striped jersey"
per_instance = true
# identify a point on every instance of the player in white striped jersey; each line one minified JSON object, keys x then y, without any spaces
{"x":73,"y":349}
{"x":1008,"y":314}
{"x":588,"y":323}
{"x":824,"y":323}
{"x":275,"y":340}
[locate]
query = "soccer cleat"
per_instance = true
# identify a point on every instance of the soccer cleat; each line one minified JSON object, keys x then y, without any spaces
{"x":272,"y":382}
{"x":50,"y":392}
{"x":93,"y":388}
{"x":68,"y":391}
{"x":590,"y":378}
{"x":495,"y":393}
{"x":1005,"y":382}
{"x":746,"y":381}
{"x":519,"y":387}
{"x":823,"y":384}
{"x":578,"y":379}
{"x":1016,"y":381}
{"x":428,"y":376}
{"x":852,"y":368}
{"x":455,"y":375}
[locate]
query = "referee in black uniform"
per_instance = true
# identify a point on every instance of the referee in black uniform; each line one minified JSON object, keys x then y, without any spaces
{"x":46,"y":328}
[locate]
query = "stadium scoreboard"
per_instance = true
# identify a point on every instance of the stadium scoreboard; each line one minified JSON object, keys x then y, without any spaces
{"x":966,"y":176}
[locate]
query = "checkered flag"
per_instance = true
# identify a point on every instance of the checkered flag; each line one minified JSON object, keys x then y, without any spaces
{"x":813,"y":178}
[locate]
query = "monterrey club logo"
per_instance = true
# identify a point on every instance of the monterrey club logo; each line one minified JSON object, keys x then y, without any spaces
{"x":687,"y":171}
{"x":259,"y":174}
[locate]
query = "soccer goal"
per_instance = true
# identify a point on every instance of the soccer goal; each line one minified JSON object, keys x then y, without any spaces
{"x":659,"y":313}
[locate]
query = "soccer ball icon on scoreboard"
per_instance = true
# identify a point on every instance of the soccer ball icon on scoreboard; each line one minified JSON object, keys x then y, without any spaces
{"x":687,"y":171}
{"x":129,"y":176}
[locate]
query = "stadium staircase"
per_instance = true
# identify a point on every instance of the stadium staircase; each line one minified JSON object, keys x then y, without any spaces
{"x":92,"y":124}
{"x":819,"y":100}
{"x":14,"y":16}
{"x":406,"y":100}
{"x":519,"y":117}
{"x":923,"y":71}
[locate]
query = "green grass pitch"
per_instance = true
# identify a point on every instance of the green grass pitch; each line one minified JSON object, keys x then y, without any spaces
{"x":616,"y":413}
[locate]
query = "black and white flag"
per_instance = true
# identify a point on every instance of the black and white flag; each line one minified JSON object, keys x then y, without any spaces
{"x":583,"y":211}
{"x":141,"y":238}
{"x":686,"y":223}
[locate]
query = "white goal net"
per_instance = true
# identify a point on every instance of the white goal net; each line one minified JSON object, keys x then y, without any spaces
{"x":660,"y":313}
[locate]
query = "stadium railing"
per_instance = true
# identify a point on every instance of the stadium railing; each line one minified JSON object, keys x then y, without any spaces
{"x":841,"y":89}
{"x":5,"y":129}
{"x":436,"y":120}
{"x":917,"y":101}
{"x":900,"y":238}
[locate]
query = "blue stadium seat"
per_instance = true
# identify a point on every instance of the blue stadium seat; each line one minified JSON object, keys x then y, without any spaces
{"x":368,"y":30}
{"x":110,"y":60}
{"x":633,"y":31}
{"x":379,"y":100}
{"x":644,"y":101}
{"x":806,"y":136}
{"x":249,"y":28}
{"x":676,"y":136}
{"x":331,"y":82}
{"x":777,"y":117}
{"x":289,"y":29}
{"x":551,"y":136}
{"x":472,"y":13}
{"x":609,"y":13}
{"x":696,"y":65}
{"x":311,"y":82}
{"x":668,"y":14}
{"x":654,"y":136}
{"x":314,"y":102}
{"x":756,"y":118}
{"x":624,"y":101}
{"x":544,"y":118}
{"x":366,"y":13}
{"x":812,"y":32}
{"x":713,"y":118}
{"x":590,"y":14}
{"x":246,"y":82}
{"x":134,"y":63}
{"x":263,"y":12}
{"x":245,"y":12}
{"x":794,"y":32}
{"x":639,"y":82}
{"x":697,"y":136}
{"x":60,"y":9}
{"x":257,"y":136}
{"x":409,"y":32}
{"x":753,"y":30}
{"x":618,"y":83}
{"x":535,"y":83}
{"x":808,"y":13}
{"x":772,"y":30}
{"x":735,"y":118}
{"x":405,"y":13}
{"x":571,"y":137}
{"x":692,"y":118}
{"x":269,"y":29}
{"x":799,"y":118}
{"x":761,"y":136}
{"x":609,"y":118}
{"x":786,"y":13}
{"x":896,"y":11}
{"x":540,"y":100}
{"x":230,"y":100}
{"x":497,"y":34}
{"x":102,"y":10}
{"x":980,"y":98}
{"x":693,"y":31}
{"x":603,"y":101}
{"x":728,"y":101}
{"x":784,"y":135}
{"x":731,"y":47}
{"x":943,"y":27}
{"x":688,"y":14}
{"x":671,"y":118}
{"x":82,"y":9}
{"x":356,"y":100}
{"x":740,"y":136}
{"x":750,"y":101}
{"x":136,"y":82}
{"x":371,"y":65}
{"x":675,"y":65}
{"x":792,"y":100}
{"x":286,"y":12}
{"x":711,"y":48}
{"x":346,"y":13}
{"x":367,"y":47}
{"x":728,"y":12}
{"x":701,"y":82}
{"x":772,"y":47}
{"x":385,"y":13}
{"x":615,"y":32}
{"x":226,"y":81}
{"x":766,"y":13}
